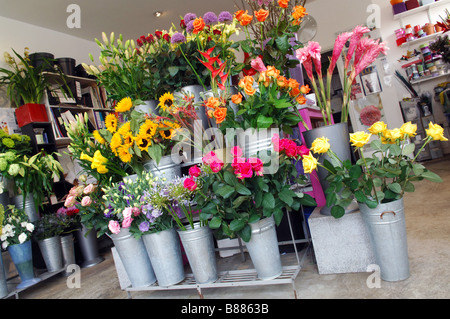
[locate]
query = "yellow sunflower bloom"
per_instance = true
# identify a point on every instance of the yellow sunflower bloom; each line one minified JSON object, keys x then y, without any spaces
{"x":124,"y":105}
{"x":148,"y":129}
{"x":116,"y":141}
{"x":124,"y":154}
{"x":111,"y":122}
{"x":124,"y":129}
{"x":142,"y":142}
{"x":128,"y":139}
{"x":167,"y":133}
{"x":98,"y":137}
{"x":166,"y":101}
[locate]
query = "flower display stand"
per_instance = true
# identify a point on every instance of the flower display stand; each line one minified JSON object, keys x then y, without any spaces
{"x":232,"y":278}
{"x":340,"y":245}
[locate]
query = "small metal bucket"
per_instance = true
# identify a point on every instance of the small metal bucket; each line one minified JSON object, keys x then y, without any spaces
{"x":134,"y":258}
{"x":387,"y":231}
{"x":52,"y":253}
{"x":68,"y":251}
{"x":166,"y":168}
{"x":263,"y":249}
{"x":164,"y":251}
{"x":28,"y":206}
{"x":198,"y":244}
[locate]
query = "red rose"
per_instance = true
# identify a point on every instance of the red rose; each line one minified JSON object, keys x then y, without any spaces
{"x":166,"y":37}
{"x":158,"y":34}
{"x":302,"y":150}
{"x":190,"y":184}
{"x":194,"y":171}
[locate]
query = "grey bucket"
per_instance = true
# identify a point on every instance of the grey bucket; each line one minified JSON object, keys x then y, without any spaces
{"x":68,"y":251}
{"x":164,"y":251}
{"x":3,"y":284}
{"x":263,"y":249}
{"x":149,"y":107}
{"x":197,"y":90}
{"x":198,"y":244}
{"x":387,"y":231}
{"x":87,"y":241}
{"x":29,"y":206}
{"x":166,"y":168}
{"x":339,"y":140}
{"x":52,"y":253}
{"x":134,"y":258}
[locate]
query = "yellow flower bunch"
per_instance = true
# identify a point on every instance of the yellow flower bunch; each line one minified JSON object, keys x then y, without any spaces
{"x":98,"y":162}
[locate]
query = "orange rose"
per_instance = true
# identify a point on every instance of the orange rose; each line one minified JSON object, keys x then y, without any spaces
{"x":294,"y":92}
{"x":264,"y":79}
{"x":220,"y":114}
{"x":210,"y":113}
{"x":299,"y":12}
{"x":305,"y":89}
{"x":212,"y":102}
{"x":293,"y":84}
{"x":246,"y":19}
{"x":283,"y":3}
{"x":301,"y":99}
{"x":239,"y":14}
{"x":199,"y":24}
{"x":273,"y":71}
{"x":282,"y":81}
{"x":261,"y":15}
{"x":246,"y":83}
{"x":236,"y":98}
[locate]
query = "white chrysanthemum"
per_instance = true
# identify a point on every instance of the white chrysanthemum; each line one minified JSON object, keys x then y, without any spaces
{"x":22,"y":238}
{"x":8,"y":228}
{"x":30,"y":227}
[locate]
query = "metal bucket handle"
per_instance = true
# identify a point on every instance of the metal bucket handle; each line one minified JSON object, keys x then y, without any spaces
{"x":387,"y":212}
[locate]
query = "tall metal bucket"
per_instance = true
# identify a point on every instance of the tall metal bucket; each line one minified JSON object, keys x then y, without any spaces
{"x":3,"y":284}
{"x":198,"y":244}
{"x":166,"y":168}
{"x":149,"y":107}
{"x":87,"y":241}
{"x":52,"y":253}
{"x":134,"y":257}
{"x":164,"y":251}
{"x":68,"y":251}
{"x":387,"y":231}
{"x":263,"y":249}
{"x":28,"y":206}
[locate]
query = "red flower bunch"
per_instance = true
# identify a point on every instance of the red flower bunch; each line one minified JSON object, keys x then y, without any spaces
{"x":244,"y":168}
{"x":217,"y":74}
{"x":289,"y":147}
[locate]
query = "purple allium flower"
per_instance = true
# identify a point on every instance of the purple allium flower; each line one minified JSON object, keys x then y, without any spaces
{"x":144,"y":226}
{"x":188,"y":17}
{"x":190,"y":26}
{"x":225,"y":16}
{"x":210,"y":17}
{"x":178,"y":37}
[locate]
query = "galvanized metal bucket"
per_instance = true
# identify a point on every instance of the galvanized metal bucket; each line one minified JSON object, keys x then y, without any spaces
{"x":164,"y":251}
{"x":387,"y":231}
{"x":149,"y":107}
{"x":68,"y":251}
{"x":253,"y":141}
{"x":22,"y":257}
{"x":166,"y":168}
{"x":52,"y":253}
{"x":339,"y":140}
{"x":28,"y":206}
{"x":87,"y":241}
{"x":3,"y":285}
{"x":198,"y":244}
{"x":263,"y":249}
{"x":134,"y":258}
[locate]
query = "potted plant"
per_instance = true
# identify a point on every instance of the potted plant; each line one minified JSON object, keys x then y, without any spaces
{"x":70,"y":222}
{"x":16,"y":235}
{"x":379,"y":184}
{"x":26,"y":87}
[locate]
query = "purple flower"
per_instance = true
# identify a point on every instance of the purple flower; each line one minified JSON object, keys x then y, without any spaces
{"x":144,"y":226}
{"x":210,"y":17}
{"x":177,"y":37}
{"x":188,"y":17}
{"x":225,"y":16}
{"x":109,"y":212}
{"x":190,"y":26}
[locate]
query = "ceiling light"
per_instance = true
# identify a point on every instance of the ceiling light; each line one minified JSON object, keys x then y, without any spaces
{"x":157,"y":14}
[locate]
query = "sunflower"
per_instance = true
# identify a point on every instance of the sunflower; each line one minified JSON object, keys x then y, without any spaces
{"x":98,"y":137}
{"x":148,"y":129}
{"x":124,"y":129}
{"x":128,"y":139}
{"x":166,"y":101}
{"x":111,"y":122}
{"x":124,"y":154}
{"x":142,"y":142}
{"x":116,"y":141}
{"x":124,"y":105}
{"x":167,"y":132}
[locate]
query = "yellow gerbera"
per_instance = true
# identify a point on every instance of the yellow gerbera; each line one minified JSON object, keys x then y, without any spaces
{"x":148,"y":129}
{"x":124,"y":105}
{"x":166,"y":101}
{"x":124,"y":154}
{"x":111,"y":122}
{"x":98,"y":137}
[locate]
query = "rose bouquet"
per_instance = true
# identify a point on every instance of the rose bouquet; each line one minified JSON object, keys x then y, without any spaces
{"x":15,"y":227}
{"x":234,"y":195}
{"x":362,"y":52}
{"x":382,"y":178}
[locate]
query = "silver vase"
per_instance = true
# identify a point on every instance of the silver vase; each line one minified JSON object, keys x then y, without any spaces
{"x":263,"y":249}
{"x":164,"y":251}
{"x":28,"y":205}
{"x":3,"y":285}
{"x":52,"y":253}
{"x":387,"y":232}
{"x":68,"y":251}
{"x":198,"y":244}
{"x":87,"y":241}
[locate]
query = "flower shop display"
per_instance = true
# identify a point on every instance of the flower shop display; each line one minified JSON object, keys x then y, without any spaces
{"x":271,"y":28}
{"x":379,"y":184}
{"x":3,"y":285}
{"x":16,"y":235}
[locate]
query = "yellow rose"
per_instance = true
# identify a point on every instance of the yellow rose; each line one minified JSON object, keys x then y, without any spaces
{"x":378,"y":127}
{"x":409,"y":129}
{"x":320,"y":145}
{"x":396,"y":134}
{"x":309,"y":163}
{"x":436,"y":132}
{"x":359,"y":139}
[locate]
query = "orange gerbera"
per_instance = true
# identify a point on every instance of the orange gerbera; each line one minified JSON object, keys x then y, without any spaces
{"x":199,"y":25}
{"x":220,"y":114}
{"x":261,"y":15}
{"x":283,"y":3}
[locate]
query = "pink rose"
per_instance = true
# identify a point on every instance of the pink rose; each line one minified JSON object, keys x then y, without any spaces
{"x":257,"y":165}
{"x":136,"y":211}
{"x":302,"y":150}
{"x":195,"y":171}
{"x":236,"y":151}
{"x":237,"y":161}
{"x":190,"y":184}
{"x":244,"y":170}
{"x":86,"y":201}
{"x":70,"y":201}
{"x":209,"y":158}
{"x":291,"y":149}
{"x":88,"y":189}
{"x":276,"y":142}
{"x":216,"y":165}
{"x":114,"y":226}
{"x":127,"y":222}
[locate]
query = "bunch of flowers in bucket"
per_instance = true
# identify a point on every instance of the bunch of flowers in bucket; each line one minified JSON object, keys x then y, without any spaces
{"x":15,"y":227}
{"x":134,"y":137}
{"x":382,"y":178}
{"x":245,"y":190}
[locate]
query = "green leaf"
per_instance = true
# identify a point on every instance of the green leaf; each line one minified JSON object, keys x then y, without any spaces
{"x":431,"y":176}
{"x":337,"y":211}
{"x":283,"y":43}
{"x":241,"y":189}
{"x":230,"y":178}
{"x":395,"y":187}
{"x":286,"y":195}
{"x":408,"y":149}
{"x":236,"y":225}
{"x":409,"y":187}
{"x":355,"y":172}
{"x":225,"y":191}
{"x":246,"y":233}
{"x":254,"y":218}
{"x":238,"y":201}
{"x":173,"y":70}
{"x":371,"y":203}
{"x":329,"y":166}
{"x":278,"y":216}
{"x":268,"y":201}
{"x":308,"y":200}
{"x":264,"y":121}
{"x":360,"y":197}
{"x":215,"y":222}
